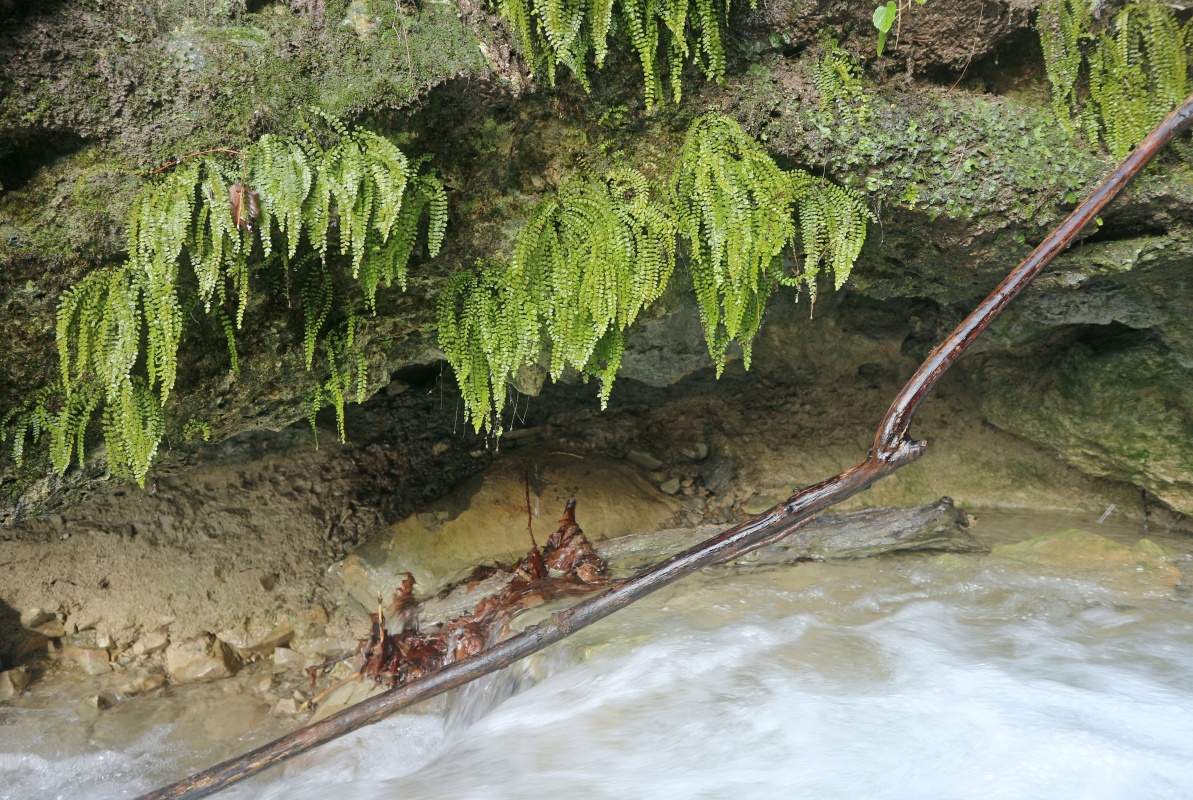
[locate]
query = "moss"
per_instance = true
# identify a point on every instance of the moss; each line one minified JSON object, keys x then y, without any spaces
{"x":988,"y":160}
{"x":1120,"y":411}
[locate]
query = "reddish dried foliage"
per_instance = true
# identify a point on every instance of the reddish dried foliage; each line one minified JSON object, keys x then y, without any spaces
{"x":397,"y":650}
{"x":244,"y":206}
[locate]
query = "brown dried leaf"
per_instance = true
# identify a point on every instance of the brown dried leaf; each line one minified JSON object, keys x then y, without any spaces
{"x":244,"y":206}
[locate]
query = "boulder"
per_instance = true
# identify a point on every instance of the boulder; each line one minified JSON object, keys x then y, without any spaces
{"x":485,"y":521}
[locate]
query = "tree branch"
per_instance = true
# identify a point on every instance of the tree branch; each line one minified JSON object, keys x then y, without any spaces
{"x":892,"y":449}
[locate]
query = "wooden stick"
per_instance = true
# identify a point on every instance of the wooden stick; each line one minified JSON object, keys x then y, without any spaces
{"x":892,"y":449}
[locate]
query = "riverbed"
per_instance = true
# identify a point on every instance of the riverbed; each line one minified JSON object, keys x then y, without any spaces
{"x":914,"y":676}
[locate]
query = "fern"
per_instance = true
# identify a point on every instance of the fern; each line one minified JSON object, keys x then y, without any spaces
{"x":584,"y":267}
{"x":662,"y":33}
{"x":488,"y":325}
{"x":839,"y":83}
{"x":1136,"y":72}
{"x":735,"y":207}
{"x":119,"y":328}
{"x":1061,"y":26}
{"x":591,"y":259}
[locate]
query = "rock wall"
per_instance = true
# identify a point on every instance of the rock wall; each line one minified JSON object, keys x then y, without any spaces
{"x":960,"y":159}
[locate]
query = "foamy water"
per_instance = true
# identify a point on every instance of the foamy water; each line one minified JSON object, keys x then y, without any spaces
{"x":900,"y":678}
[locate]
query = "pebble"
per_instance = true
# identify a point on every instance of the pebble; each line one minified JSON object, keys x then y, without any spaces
{"x":286,"y":707}
{"x":670,"y":486}
{"x":92,"y":660}
{"x":280,"y":636}
{"x":141,"y":682}
{"x":34,"y":617}
{"x":200,"y":659}
{"x":643,"y":459}
{"x":151,"y":642}
{"x":284,"y":659}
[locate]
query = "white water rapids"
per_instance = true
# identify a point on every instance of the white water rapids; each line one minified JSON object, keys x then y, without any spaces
{"x":912,"y":677}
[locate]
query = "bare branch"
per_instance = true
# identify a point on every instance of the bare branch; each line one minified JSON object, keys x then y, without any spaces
{"x":892,"y":449}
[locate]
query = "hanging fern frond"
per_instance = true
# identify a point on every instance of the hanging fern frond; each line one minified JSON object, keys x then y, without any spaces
{"x":1136,"y":72}
{"x":489,"y":324}
{"x":119,"y":328}
{"x":592,"y":259}
{"x":1061,"y":25}
{"x":736,"y":209}
{"x":832,"y":227}
{"x":662,"y":33}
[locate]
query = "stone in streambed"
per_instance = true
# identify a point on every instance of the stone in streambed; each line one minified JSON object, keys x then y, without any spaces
{"x":1110,"y":564}
{"x":286,"y":659}
{"x":643,"y":459}
{"x":200,"y":659}
{"x":141,"y":682}
{"x":12,"y":683}
{"x":151,"y":642}
{"x":92,"y":660}
{"x":280,"y":636}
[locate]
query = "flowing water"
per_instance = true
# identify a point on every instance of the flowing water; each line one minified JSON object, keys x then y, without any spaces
{"x":911,"y":677}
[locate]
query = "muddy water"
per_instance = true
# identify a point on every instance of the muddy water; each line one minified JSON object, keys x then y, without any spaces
{"x":911,"y":677}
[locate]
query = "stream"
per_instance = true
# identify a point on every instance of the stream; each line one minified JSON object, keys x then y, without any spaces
{"x":915,"y":676}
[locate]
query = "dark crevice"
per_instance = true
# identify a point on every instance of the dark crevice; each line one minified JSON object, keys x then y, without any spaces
{"x":1015,"y":63}
{"x":30,"y":152}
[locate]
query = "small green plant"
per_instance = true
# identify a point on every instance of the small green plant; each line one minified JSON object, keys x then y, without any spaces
{"x":1116,"y":84}
{"x":890,"y":15}
{"x":663,"y":33}
{"x":119,"y":328}
{"x":839,"y":84}
{"x":584,"y":267}
{"x":737,"y":210}
{"x":194,"y":431}
{"x":591,"y":259}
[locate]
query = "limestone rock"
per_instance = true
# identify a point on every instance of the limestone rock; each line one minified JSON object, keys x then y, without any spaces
{"x":718,"y":474}
{"x":643,"y":459}
{"x":485,"y":520}
{"x":286,"y":707}
{"x":51,"y":629}
{"x":151,"y":642}
{"x":33,"y":617}
{"x":141,"y":682}
{"x":200,"y":659}
{"x":285,"y":659}
{"x":280,"y":636}
{"x":1160,"y":552}
{"x":12,"y":683}
{"x":92,"y":660}
{"x":1097,"y":558}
